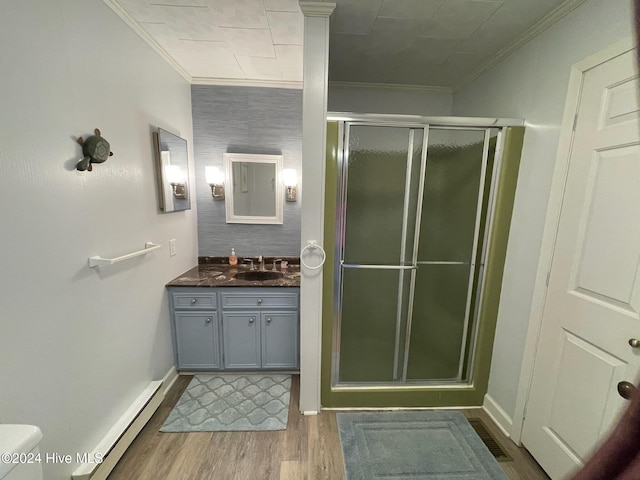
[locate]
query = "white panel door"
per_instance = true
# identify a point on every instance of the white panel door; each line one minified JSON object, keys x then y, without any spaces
{"x":593,"y":297}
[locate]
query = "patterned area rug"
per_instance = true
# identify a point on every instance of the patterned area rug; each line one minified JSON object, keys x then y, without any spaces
{"x":222,"y":403}
{"x":416,"y":445}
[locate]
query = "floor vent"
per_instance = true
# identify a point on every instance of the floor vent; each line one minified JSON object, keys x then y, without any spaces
{"x":492,"y":444}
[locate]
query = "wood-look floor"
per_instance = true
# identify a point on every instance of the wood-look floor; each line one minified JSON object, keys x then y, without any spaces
{"x":309,"y":449}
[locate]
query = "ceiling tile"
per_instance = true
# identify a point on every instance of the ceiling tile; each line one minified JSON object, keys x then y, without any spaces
{"x":195,"y":24}
{"x":282,"y":5}
{"x":249,"y":42}
{"x":286,"y":27}
{"x":421,"y":9}
{"x":354,"y":16}
{"x":211,"y":52}
{"x":429,"y":51}
{"x":459,"y":18}
{"x":345,"y":53}
{"x":460,"y":64}
{"x":393,"y":34}
{"x":260,"y":68}
{"x":239,"y":13}
{"x":488,"y":39}
{"x":289,"y":55}
{"x":289,"y":61}
{"x":209,"y":33}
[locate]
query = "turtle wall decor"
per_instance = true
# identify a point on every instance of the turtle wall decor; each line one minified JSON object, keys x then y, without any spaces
{"x":95,"y":150}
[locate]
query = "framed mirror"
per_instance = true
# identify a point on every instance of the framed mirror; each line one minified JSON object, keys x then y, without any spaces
{"x":254,"y":191}
{"x":172,"y":171}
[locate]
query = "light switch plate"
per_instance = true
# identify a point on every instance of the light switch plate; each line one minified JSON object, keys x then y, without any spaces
{"x":172,"y":247}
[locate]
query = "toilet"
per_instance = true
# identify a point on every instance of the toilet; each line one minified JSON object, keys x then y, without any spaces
{"x":20,"y":444}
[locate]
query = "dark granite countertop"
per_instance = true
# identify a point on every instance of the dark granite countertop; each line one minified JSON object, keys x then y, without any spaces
{"x":212,"y":273}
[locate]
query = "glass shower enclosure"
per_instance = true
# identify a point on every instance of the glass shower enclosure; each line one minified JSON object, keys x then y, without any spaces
{"x":412,"y":221}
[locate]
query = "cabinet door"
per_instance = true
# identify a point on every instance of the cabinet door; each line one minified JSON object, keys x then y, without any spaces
{"x":197,"y":340}
{"x":280,"y":340}
{"x":241,"y":332}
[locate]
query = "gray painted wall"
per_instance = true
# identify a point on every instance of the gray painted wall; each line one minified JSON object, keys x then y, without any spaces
{"x":245,"y":120}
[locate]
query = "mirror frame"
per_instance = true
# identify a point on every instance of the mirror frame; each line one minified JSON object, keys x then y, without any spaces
{"x":276,"y":160}
{"x":164,"y":187}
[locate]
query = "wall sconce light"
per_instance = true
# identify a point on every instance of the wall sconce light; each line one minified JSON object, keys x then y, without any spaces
{"x":290,"y":180}
{"x":173,"y":174}
{"x":215,"y":179}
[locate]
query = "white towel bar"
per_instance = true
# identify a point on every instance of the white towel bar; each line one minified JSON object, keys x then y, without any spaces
{"x":98,"y":260}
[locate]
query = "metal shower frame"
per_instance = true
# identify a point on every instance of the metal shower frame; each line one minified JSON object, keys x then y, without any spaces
{"x":346,"y":120}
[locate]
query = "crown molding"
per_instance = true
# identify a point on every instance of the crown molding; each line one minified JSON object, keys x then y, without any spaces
{"x":135,"y":26}
{"x":244,"y":82}
{"x":317,"y":9}
{"x":393,"y":87}
{"x":549,"y":20}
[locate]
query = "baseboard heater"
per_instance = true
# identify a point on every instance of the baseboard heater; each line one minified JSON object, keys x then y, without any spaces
{"x":117,"y":440}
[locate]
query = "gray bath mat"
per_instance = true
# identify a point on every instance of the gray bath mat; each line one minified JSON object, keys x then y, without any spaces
{"x":417,"y":445}
{"x":213,"y":403}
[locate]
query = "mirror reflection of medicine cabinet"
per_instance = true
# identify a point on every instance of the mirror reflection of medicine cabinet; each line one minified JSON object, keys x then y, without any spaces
{"x":172,"y":171}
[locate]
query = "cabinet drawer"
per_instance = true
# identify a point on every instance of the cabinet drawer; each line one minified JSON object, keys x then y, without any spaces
{"x":258,"y":300}
{"x":194,"y":300}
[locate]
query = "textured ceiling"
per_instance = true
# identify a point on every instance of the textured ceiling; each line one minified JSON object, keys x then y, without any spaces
{"x":399,"y":42}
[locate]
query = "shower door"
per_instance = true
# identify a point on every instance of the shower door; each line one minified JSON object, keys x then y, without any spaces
{"x":410,"y":214}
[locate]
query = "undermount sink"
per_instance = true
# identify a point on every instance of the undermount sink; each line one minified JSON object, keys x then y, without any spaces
{"x":258,"y":275}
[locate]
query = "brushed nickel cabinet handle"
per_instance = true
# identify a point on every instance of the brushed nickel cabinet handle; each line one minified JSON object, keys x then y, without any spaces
{"x":194,"y":301}
{"x":251,"y":320}
{"x":208,"y":320}
{"x":634,"y":342}
{"x":268,"y":320}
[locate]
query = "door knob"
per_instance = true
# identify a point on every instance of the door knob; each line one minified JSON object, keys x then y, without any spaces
{"x":634,"y":342}
{"x":626,"y":389}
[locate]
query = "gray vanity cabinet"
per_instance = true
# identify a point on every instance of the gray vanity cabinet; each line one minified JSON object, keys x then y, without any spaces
{"x":235,"y":328}
{"x":197,"y":340}
{"x":278,"y":348}
{"x":196,"y":329}
{"x":260,"y":328}
{"x":241,"y":340}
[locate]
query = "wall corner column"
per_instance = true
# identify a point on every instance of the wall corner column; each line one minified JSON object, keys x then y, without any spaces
{"x":314,"y":118}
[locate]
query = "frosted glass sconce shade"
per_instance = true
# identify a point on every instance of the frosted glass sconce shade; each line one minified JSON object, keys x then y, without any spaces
{"x":175,"y":177}
{"x":215,"y":178}
{"x":290,"y":180}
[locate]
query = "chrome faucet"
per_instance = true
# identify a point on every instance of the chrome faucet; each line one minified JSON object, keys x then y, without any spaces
{"x":261,"y":262}
{"x":249,"y":261}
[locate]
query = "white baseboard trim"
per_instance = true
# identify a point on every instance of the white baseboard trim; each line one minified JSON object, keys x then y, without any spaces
{"x":310,"y":412}
{"x":169,"y":379}
{"x":104,"y":457}
{"x":498,"y":415}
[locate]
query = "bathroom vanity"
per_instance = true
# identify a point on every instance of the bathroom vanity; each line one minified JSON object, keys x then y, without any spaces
{"x":223,"y":323}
